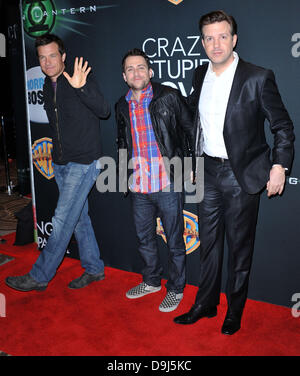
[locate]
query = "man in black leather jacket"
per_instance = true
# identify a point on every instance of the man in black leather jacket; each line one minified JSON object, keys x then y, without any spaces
{"x":74,"y":105}
{"x":155,"y":125}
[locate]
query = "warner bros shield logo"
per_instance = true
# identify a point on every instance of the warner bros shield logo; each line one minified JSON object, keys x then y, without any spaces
{"x":190,"y":235}
{"x":176,"y":2}
{"x":41,"y":155}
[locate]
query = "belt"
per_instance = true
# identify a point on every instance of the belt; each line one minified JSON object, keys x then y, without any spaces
{"x":217,"y":159}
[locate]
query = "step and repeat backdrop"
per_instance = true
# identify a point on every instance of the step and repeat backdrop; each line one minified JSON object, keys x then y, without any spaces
{"x":167,"y":30}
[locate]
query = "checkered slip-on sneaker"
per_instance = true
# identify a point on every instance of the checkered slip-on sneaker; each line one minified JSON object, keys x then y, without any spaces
{"x":170,"y":302}
{"x":141,"y":290}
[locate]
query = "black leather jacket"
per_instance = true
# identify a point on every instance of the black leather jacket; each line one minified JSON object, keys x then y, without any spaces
{"x":171,"y":121}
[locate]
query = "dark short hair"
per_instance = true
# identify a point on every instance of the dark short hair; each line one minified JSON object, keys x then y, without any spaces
{"x":217,"y":16}
{"x":135,"y":52}
{"x":49,"y":38}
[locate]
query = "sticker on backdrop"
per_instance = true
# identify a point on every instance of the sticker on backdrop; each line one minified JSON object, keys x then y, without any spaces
{"x":44,"y":16}
{"x":41,"y":155}
{"x":190,"y":235}
{"x":35,"y":81}
{"x":176,"y":2}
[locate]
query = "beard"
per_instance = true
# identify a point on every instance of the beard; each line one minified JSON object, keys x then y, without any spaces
{"x":140,"y":85}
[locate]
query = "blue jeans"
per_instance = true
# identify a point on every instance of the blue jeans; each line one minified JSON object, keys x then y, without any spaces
{"x":168,"y":206}
{"x":74,"y":181}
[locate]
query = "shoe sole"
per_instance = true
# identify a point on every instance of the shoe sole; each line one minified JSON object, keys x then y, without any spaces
{"x":141,"y":295}
{"x":230,"y":333}
{"x":194,"y":321}
{"x":81,"y":287}
{"x":168,"y":309}
{"x":26,"y":290}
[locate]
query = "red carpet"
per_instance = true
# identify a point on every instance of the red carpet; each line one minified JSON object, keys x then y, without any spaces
{"x":100,"y":320}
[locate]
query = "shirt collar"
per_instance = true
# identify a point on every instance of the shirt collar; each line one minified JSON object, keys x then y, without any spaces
{"x":229,"y":70}
{"x":146,"y":93}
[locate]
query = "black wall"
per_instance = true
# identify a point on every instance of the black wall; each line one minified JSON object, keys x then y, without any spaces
{"x":13,"y":99}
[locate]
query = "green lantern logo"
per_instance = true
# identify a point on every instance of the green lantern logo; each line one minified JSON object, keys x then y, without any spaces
{"x":39,"y":17}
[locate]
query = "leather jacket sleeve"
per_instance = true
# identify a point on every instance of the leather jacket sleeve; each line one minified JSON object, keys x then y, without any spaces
{"x":185,"y":119}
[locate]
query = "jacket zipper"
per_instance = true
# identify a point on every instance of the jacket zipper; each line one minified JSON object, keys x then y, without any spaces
{"x":57,"y":127}
{"x":163,"y":151}
{"x":127,"y":129}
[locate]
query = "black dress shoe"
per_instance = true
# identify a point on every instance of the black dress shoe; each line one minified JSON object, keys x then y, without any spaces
{"x":231,"y":326}
{"x":25,"y":283}
{"x":85,"y":279}
{"x":196,"y":313}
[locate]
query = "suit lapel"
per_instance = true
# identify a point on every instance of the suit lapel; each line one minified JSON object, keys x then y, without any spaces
{"x":199,"y":81}
{"x":197,"y":84}
{"x":237,"y":84}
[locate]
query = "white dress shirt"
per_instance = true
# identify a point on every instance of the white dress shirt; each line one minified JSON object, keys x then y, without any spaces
{"x":212,"y":107}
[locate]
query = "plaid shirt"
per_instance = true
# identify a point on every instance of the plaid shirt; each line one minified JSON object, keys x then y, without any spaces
{"x":149,"y":174}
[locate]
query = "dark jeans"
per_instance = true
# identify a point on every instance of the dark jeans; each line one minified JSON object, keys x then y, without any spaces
{"x":226,"y":210}
{"x":168,"y":206}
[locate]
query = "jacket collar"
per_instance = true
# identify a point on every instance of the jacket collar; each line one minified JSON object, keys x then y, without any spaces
{"x":60,"y":77}
{"x":203,"y":69}
{"x":236,"y":84}
{"x":157,"y":89}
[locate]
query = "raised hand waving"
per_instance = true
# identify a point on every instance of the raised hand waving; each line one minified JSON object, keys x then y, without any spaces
{"x":80,"y":74}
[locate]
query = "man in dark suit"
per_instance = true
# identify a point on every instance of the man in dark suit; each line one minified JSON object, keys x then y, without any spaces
{"x":231,"y":100}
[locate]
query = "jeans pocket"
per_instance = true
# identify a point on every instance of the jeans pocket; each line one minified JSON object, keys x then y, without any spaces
{"x":97,"y":170}
{"x":97,"y":173}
